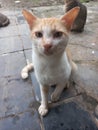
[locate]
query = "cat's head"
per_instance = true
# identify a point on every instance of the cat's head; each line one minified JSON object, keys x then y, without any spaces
{"x":50,"y":35}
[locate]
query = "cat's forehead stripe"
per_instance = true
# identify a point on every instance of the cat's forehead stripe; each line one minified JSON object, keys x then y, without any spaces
{"x":49,"y":20}
{"x":50,"y":24}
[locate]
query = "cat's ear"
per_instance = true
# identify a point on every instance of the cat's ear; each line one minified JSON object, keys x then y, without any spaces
{"x":69,"y":17}
{"x":30,"y":18}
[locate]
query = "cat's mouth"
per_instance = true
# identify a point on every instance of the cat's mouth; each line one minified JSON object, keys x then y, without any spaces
{"x":53,"y":51}
{"x":49,"y":52}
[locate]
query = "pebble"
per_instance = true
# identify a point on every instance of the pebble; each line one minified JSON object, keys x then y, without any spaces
{"x":93,"y":52}
{"x":93,"y":44}
{"x":17,"y":1}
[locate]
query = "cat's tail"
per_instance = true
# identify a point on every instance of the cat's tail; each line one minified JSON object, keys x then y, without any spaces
{"x":26,"y":69}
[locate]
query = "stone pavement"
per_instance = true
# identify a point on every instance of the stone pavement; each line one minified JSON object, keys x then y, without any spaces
{"x":19,"y":99}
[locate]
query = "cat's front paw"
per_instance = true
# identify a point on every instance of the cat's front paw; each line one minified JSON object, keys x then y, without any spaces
{"x":54,"y":97}
{"x":24,"y":75}
{"x":43,"y":110}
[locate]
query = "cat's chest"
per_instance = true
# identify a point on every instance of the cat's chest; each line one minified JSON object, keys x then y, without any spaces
{"x":50,"y":71}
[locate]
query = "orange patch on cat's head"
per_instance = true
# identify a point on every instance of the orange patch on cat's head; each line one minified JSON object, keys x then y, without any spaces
{"x":53,"y":23}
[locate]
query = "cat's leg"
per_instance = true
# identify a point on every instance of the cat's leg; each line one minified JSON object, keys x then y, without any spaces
{"x":58,"y":90}
{"x":43,"y":109}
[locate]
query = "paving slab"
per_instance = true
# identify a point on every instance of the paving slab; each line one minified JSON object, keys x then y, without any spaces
{"x":8,"y":12}
{"x":87,"y":80}
{"x":10,"y":44}
{"x":13,"y":20}
{"x":28,"y":54}
{"x":83,"y":54}
{"x":69,"y":116}
{"x":20,"y":18}
{"x":24,"y":29}
{"x":27,"y":42}
{"x":9,"y":31}
{"x":12,"y":64}
{"x":16,"y":95}
{"x":86,"y":39}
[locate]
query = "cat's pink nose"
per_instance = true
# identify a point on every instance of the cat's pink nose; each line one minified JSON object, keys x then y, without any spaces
{"x":47,"y":46}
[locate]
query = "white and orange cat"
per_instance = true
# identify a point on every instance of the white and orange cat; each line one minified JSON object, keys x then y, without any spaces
{"x":50,"y":59}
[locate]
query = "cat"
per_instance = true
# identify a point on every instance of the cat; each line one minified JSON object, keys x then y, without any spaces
{"x":78,"y":25}
{"x":50,"y":57}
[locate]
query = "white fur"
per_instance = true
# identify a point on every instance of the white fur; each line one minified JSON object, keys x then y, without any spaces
{"x":52,"y":68}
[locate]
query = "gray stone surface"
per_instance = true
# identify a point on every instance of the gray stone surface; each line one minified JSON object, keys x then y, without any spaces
{"x":10,"y":44}
{"x":23,"y":29}
{"x":9,"y":31}
{"x":18,"y":105}
{"x":11,"y":64}
{"x":28,"y":54}
{"x":87,"y":80}
{"x":27,"y":43}
{"x":82,"y":54}
{"x":16,"y":96}
{"x":20,"y":18}
{"x":69,"y":117}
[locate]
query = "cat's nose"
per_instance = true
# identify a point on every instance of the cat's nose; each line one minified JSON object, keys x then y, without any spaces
{"x":47,"y":46}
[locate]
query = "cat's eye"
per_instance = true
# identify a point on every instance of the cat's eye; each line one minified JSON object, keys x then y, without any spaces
{"x":57,"y":34}
{"x":38,"y":34}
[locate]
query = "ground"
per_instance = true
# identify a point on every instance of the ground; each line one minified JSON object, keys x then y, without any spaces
{"x":19,"y":99}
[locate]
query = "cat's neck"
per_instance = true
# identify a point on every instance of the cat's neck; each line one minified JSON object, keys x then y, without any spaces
{"x":52,"y":60}
{"x":49,"y":57}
